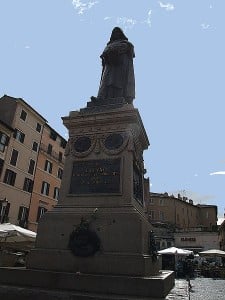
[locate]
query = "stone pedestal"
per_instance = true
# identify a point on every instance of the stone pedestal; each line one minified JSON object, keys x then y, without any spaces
{"x":102,"y":186}
{"x":62,"y":285}
{"x":98,"y":239}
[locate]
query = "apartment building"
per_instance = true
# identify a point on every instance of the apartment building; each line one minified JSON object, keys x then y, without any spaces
{"x":22,"y":159}
{"x":48,"y":175}
{"x":5,"y":133}
{"x":179,"y":222}
{"x":222,"y":234}
{"x":181,"y":212}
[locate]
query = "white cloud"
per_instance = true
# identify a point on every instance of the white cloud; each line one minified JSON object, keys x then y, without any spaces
{"x":127,"y":22}
{"x":205,"y":26}
{"x":107,"y":18}
{"x":27,"y":47}
{"x":196,"y":175}
{"x":217,"y":173}
{"x":81,"y":7}
{"x":148,"y":20}
{"x":167,"y":6}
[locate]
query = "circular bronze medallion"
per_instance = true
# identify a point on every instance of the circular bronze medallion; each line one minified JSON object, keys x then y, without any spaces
{"x":82,"y":144}
{"x":84,"y":242}
{"x":113,"y":141}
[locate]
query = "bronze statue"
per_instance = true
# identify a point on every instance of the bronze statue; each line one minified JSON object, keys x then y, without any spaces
{"x":117,"y":78}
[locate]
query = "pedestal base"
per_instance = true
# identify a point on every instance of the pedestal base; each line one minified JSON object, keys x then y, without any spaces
{"x":83,"y":286}
{"x":108,"y":264}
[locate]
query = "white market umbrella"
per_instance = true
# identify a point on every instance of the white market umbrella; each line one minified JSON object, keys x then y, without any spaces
{"x":213,"y":253}
{"x":175,"y":251}
{"x":10,"y":233}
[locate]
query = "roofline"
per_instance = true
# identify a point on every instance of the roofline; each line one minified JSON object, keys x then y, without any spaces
{"x":20,"y":99}
{"x":55,"y":131}
{"x":6,"y":125}
{"x":45,"y":120}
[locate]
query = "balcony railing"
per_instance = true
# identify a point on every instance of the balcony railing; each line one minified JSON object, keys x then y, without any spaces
{"x":52,"y":154}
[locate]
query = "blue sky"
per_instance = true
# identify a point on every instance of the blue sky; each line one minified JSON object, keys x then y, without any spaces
{"x":50,"y":57}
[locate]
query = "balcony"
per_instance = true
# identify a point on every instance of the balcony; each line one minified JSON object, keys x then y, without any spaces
{"x":54,"y":155}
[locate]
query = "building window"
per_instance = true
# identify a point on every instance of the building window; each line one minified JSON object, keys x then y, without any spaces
{"x":163,"y":245}
{"x":28,"y":185}
{"x":161,"y":215}
{"x":23,"y":115}
{"x":1,"y":165}
{"x":35,"y":146}
{"x":10,"y":177}
{"x":207,"y":215}
{"x":45,"y":188}
{"x":53,"y":135}
{"x":152,"y":214}
{"x":4,"y":212}
{"x":56,"y":193}
{"x":31,"y":167}
{"x":60,"y":156}
{"x":19,"y":136}
{"x":14,"y":157}
{"x":38,"y":127}
{"x":48,"y":166}
{"x":157,"y":245}
{"x":60,"y":173}
{"x":49,"y":150}
{"x":3,"y":141}
{"x":169,"y":244}
{"x":23,"y":216}
{"x":151,"y":201}
{"x":41,"y":212}
{"x":63,"y":143}
{"x":161,"y":202}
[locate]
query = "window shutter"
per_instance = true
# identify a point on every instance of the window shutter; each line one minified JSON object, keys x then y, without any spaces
{"x":20,"y":213}
{"x":38,"y":213}
{"x":22,"y":137}
{"x":7,"y":209}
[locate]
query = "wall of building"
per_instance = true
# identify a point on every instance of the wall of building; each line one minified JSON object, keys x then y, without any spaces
{"x":24,"y":194}
{"x":16,"y":193}
{"x":39,"y":201}
{"x":180,"y":212}
{"x":222,"y":236}
{"x":197,"y":240}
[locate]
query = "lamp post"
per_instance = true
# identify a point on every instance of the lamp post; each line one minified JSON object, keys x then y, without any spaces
{"x":3,"y":206}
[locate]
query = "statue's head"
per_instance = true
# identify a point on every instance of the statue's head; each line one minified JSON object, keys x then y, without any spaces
{"x":117,"y":34}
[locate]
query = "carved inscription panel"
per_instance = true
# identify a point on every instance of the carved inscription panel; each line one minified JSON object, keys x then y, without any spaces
{"x":95,"y":176}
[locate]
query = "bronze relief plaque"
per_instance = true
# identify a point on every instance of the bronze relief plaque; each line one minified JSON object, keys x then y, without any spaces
{"x":82,"y":144}
{"x":114,"y":141}
{"x":95,"y":176}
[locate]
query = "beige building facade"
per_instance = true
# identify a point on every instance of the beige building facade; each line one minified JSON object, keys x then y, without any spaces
{"x":48,"y":175}
{"x":177,"y":219}
{"x":197,"y":239}
{"x":181,"y":212}
{"x":222,"y":234}
{"x":5,"y":133}
{"x":19,"y":166}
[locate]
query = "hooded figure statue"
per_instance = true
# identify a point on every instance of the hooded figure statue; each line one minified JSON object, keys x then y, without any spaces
{"x":117,"y":78}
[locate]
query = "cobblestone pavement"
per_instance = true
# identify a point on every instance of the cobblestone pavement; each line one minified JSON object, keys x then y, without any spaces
{"x":202,"y":289}
{"x":180,"y":290}
{"x":207,"y":289}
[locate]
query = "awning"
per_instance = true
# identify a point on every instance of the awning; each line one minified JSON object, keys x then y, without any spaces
{"x":14,"y":233}
{"x":175,"y":251}
{"x":213,"y":253}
